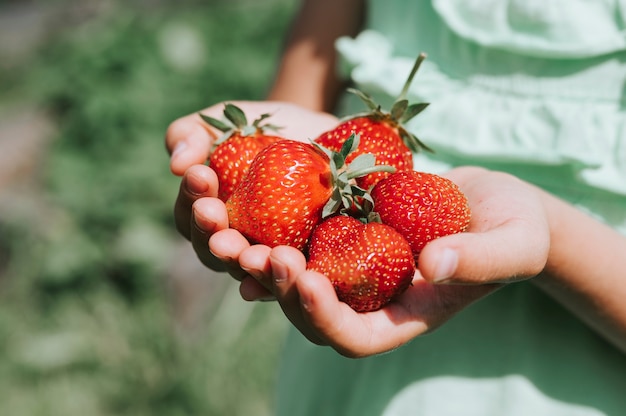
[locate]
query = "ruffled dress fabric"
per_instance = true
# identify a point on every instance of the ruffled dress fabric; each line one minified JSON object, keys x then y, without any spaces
{"x":516,"y":94}
{"x":532,"y":87}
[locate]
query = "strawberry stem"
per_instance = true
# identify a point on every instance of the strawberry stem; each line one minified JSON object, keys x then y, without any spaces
{"x":409,"y":80}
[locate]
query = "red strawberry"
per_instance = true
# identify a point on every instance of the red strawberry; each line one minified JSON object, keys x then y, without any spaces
{"x":289,"y":188}
{"x":421,"y":206}
{"x":380,"y":138}
{"x":368,"y":264}
{"x":382,"y":133}
{"x":234,"y":151}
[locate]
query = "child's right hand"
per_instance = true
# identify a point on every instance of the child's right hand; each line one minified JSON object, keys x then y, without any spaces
{"x":189,"y":140}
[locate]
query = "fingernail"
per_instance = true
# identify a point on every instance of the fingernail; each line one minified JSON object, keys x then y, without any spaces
{"x":265,"y":299}
{"x":179,"y":148}
{"x":448,"y":262}
{"x":207,"y":226}
{"x":305,"y":300}
{"x":196,"y":184}
{"x":256,"y":274}
{"x":279,"y":272}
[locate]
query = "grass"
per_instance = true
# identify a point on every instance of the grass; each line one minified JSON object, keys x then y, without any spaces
{"x":103,"y":310}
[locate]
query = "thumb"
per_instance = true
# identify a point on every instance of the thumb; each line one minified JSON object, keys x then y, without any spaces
{"x":507,"y":253}
{"x":188,"y":141}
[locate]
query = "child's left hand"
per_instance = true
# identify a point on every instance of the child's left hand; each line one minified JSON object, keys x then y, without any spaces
{"x":508,"y":240}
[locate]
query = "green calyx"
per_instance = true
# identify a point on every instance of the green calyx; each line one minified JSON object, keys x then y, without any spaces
{"x":235,"y":121}
{"x":347,"y":196}
{"x":401,"y":111}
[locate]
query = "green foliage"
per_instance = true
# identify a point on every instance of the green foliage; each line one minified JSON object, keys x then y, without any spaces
{"x":86,"y":317}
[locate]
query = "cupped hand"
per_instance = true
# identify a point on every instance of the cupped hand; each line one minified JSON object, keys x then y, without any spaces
{"x":189,"y":139}
{"x":198,"y":213}
{"x":508,"y":240}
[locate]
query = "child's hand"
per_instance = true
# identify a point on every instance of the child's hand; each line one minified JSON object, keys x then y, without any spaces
{"x":189,"y":140}
{"x":309,"y":301}
{"x":508,"y":240}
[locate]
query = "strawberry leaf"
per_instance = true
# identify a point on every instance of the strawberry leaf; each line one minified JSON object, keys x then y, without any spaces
{"x":398,"y":109}
{"x":264,"y":127}
{"x":334,"y":169}
{"x":352,"y":174}
{"x":347,"y":201}
{"x":415,"y":144}
{"x":338,"y":160}
{"x":235,"y":115}
{"x":347,"y":147}
{"x":326,"y":151}
{"x":412,"y":111}
{"x":220,"y":125}
{"x":350,"y":145}
{"x":342,"y":180}
{"x":366,"y":202}
{"x":257,"y":122}
{"x":362,"y":162}
{"x":272,"y":127}
{"x":333,"y":205}
{"x":366,"y":98}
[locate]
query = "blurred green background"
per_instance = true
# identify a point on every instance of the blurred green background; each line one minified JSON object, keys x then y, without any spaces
{"x":104,"y":309}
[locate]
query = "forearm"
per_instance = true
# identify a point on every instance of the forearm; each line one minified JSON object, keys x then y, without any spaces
{"x":307,"y":73}
{"x":586,"y":270}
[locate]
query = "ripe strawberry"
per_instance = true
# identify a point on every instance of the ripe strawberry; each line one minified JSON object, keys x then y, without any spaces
{"x":368,"y":264}
{"x":421,"y":206}
{"x":382,"y":133}
{"x":234,"y":151}
{"x":289,"y":188}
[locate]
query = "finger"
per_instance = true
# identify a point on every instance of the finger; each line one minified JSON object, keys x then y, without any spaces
{"x":332,"y":322}
{"x":251,"y":290}
{"x":310,"y":302}
{"x":287,"y":264}
{"x":188,"y":140}
{"x":198,"y":182}
{"x":516,"y":250}
{"x":355,"y":334}
{"x":208,"y":217}
{"x":255,"y":260}
{"x":419,"y":310}
{"x":226,"y":246}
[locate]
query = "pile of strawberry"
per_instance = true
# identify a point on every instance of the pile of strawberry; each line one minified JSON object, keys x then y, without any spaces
{"x":349,"y":200}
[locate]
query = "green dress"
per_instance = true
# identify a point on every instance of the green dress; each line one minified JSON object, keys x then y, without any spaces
{"x":533,"y":87}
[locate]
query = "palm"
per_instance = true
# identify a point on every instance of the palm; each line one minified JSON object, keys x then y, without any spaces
{"x":504,"y":210}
